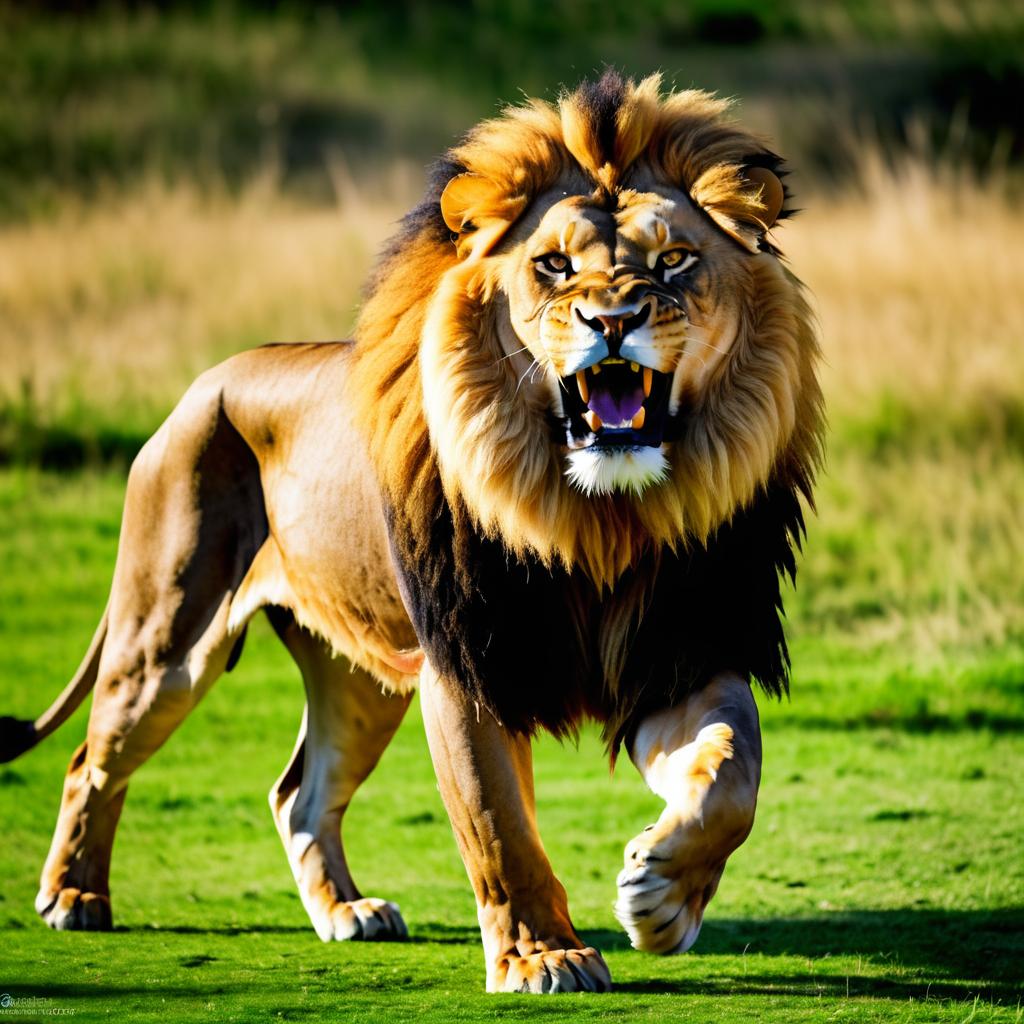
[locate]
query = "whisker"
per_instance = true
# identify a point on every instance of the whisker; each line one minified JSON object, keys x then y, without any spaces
{"x":706,"y":344}
{"x":521,"y":379}
{"x":511,"y":354}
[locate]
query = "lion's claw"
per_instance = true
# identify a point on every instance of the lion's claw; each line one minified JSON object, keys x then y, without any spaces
{"x":367,"y":920}
{"x":556,"y":970}
{"x":662,"y":896}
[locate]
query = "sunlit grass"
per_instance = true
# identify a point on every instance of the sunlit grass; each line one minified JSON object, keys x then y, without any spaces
{"x":882,"y":881}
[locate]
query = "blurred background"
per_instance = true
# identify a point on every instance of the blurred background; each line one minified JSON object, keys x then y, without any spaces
{"x":178,"y":182}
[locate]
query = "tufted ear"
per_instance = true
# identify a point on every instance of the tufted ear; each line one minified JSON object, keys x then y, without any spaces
{"x":478,"y":212}
{"x":773,"y":195}
{"x":743,"y":200}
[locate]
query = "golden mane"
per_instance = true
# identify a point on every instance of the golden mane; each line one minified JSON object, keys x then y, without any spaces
{"x":441,"y":407}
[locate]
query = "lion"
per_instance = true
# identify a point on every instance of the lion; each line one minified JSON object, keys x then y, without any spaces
{"x":558,"y":476}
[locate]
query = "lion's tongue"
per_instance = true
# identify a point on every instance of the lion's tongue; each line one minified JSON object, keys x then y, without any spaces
{"x":616,"y":407}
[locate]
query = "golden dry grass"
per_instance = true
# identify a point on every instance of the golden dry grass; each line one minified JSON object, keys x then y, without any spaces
{"x":110,"y":310}
{"x":919,"y":278}
{"x":122,"y":303}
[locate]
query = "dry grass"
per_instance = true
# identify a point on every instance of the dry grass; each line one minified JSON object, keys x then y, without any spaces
{"x":918,"y":280}
{"x":920,"y":283}
{"x":110,"y":310}
{"x":119,"y":305}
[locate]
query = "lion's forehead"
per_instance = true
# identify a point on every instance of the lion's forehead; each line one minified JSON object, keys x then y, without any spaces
{"x":636,"y":224}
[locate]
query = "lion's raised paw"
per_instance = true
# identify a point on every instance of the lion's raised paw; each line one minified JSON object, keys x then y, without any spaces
{"x":557,"y":970}
{"x":663,"y":889}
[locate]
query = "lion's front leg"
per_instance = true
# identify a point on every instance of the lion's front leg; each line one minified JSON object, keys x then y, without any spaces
{"x":486,"y":781}
{"x":704,"y":759}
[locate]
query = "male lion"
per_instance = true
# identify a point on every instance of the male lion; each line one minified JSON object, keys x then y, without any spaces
{"x":556,"y":476}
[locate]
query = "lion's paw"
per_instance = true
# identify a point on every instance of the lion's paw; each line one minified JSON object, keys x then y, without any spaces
{"x":74,"y":910}
{"x":664,"y":888}
{"x":367,"y":920}
{"x":557,"y":970}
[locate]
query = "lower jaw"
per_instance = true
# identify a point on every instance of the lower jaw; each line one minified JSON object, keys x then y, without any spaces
{"x":621,"y":468}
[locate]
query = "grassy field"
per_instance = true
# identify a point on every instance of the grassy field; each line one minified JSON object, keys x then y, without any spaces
{"x":883,"y":880}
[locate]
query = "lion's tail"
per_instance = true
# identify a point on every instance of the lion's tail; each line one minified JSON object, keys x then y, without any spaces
{"x":17,"y":735}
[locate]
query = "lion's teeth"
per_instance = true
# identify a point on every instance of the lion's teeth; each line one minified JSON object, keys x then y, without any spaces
{"x":635,"y":367}
{"x":595,"y":369}
{"x":648,"y":379}
{"x":638,"y":419}
{"x":593,"y":420}
{"x":581,"y":383}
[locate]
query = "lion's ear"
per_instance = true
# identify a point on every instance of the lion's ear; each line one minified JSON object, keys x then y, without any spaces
{"x":773,"y":195}
{"x":743,"y":200}
{"x":475,"y":210}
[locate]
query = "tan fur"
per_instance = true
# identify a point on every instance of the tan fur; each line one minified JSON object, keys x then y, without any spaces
{"x":255,"y":492}
{"x":485,"y":776}
{"x":704,"y":759}
{"x":270,"y":486}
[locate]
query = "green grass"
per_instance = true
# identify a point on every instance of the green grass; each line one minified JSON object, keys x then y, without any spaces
{"x":882,"y":882}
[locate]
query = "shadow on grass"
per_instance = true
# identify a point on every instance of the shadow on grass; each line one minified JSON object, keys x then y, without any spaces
{"x":849,"y":986}
{"x":913,"y":721}
{"x":225,"y":929}
{"x":24,"y":441}
{"x":967,"y":952}
{"x":910,"y":954}
{"x":426,"y":934}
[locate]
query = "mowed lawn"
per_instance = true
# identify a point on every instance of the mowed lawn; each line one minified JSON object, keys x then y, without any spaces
{"x":883,"y":880}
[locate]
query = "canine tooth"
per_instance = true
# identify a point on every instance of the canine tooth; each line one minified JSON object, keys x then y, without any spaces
{"x":635,"y":367}
{"x":581,"y":383}
{"x":638,"y":419}
{"x":648,"y":379}
{"x":595,"y":369}
{"x":593,"y":420}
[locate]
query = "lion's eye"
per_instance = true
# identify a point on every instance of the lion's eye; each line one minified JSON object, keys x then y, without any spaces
{"x":553,"y":264}
{"x":675,"y":261}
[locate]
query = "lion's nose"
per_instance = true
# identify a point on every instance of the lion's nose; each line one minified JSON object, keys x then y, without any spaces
{"x":615,"y":326}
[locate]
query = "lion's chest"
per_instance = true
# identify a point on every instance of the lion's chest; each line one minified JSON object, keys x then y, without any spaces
{"x":542,"y":647}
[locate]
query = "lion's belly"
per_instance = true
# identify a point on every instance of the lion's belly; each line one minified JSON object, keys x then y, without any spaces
{"x":326,"y":557}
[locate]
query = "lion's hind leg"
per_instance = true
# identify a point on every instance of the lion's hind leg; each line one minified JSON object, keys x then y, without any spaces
{"x":193,"y":517}
{"x":704,"y":759}
{"x":348,"y":722}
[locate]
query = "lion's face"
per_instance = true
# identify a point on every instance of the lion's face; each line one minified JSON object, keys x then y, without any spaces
{"x":625,"y":307}
{"x":599,"y":348}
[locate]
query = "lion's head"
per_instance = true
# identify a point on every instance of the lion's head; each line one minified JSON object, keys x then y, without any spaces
{"x":606,"y":351}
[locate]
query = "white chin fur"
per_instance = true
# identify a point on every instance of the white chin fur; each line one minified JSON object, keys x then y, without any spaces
{"x":603,"y":470}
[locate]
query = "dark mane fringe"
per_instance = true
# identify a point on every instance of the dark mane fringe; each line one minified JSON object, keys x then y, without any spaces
{"x":526,"y":641}
{"x":600,"y":101}
{"x":423,"y":221}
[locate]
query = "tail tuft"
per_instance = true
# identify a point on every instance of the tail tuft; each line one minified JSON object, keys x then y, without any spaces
{"x":16,"y":736}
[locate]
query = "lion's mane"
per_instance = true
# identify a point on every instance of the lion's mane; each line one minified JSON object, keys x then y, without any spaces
{"x":544,"y":603}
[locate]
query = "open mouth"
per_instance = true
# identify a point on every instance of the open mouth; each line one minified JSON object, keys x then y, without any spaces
{"x":616,"y":404}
